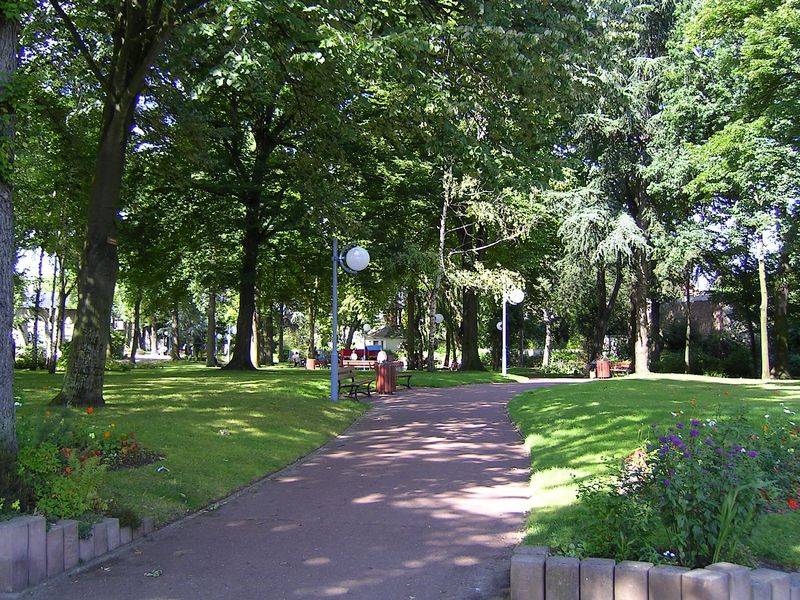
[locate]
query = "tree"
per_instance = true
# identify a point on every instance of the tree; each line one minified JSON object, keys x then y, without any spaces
{"x":119,"y":42}
{"x":9,"y":35}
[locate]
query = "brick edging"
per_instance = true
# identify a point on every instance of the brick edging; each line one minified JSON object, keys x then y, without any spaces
{"x":30,"y":552}
{"x":536,"y":575}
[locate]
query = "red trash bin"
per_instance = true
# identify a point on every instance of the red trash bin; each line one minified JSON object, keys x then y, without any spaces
{"x":603,"y":369}
{"x":385,"y":378}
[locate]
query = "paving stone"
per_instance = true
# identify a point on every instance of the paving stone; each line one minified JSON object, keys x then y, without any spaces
{"x":597,"y":578}
{"x":535,"y":550}
{"x":562,"y":578}
{"x":739,"y":578}
{"x":37,"y":549}
{"x":631,"y":580}
{"x":86,"y":551}
{"x":527,"y":576}
{"x":72,"y":549}
{"x":794,"y":586}
{"x":705,"y":584}
{"x":770,"y":585}
{"x":13,"y":555}
{"x":125,"y":535}
{"x":665,"y":582}
{"x":55,"y":550}
{"x":100,"y":538}
{"x":148,"y":525}
{"x":112,"y":531}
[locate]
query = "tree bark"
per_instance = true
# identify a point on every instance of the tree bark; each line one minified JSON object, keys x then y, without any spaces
{"x":137,"y":307}
{"x":641,"y":313}
{"x":153,"y":336}
{"x":763,"y":323}
{"x":9,"y":33}
{"x":606,"y":304}
{"x":656,"y":339}
{"x":240,"y":360}
{"x":174,"y":335}
{"x":37,"y":309}
{"x":548,"y":337}
{"x":63,"y":292}
{"x":470,"y":357}
{"x":211,"y":331}
{"x":781,"y":313}
{"x":268,"y":355}
{"x":411,"y":328}
{"x":53,"y":336}
{"x":687,"y":363}
{"x":281,"y":311}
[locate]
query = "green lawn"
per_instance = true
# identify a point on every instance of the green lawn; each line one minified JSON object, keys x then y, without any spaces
{"x":570,"y":429}
{"x":218,"y":430}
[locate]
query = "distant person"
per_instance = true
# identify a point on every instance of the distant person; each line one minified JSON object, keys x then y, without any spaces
{"x":295,"y":358}
{"x":353,"y":355}
{"x":593,"y":366}
{"x":382,"y":356}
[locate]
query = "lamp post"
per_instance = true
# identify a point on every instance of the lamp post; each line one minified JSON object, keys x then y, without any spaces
{"x":352,"y":260}
{"x":514,"y":296}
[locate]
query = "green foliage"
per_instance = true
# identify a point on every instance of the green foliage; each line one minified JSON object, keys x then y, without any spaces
{"x":697,"y":490}
{"x":25,"y":360}
{"x":75,"y":492}
{"x":565,"y":362}
{"x":39,"y":467}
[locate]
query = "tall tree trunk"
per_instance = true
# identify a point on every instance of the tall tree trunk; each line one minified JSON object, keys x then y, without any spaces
{"x":781,"y":316}
{"x":470,"y":357}
{"x":37,"y":310}
{"x":312,"y":328}
{"x":241,"y":360}
{"x":211,"y":331}
{"x":548,"y":337}
{"x":763,"y":324}
{"x":83,"y":381}
{"x":63,"y":293}
{"x":411,"y":328}
{"x":351,"y":332}
{"x":687,"y":362}
{"x":153,"y":336}
{"x":53,"y":335}
{"x":641,"y":314}
{"x":137,"y":309}
{"x":448,"y":338}
{"x":656,"y":338}
{"x":751,"y":337}
{"x":9,"y":32}
{"x":268,"y":357}
{"x":606,"y":304}
{"x":257,"y":340}
{"x":281,"y":311}
{"x":175,"y":335}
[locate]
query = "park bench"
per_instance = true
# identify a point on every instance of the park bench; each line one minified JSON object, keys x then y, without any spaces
{"x":406,"y":376}
{"x":348,"y":380}
{"x":348,"y":363}
{"x":620,"y":367}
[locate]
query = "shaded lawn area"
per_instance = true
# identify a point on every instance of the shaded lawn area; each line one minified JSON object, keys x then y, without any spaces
{"x":218,"y":430}
{"x":571,"y":429}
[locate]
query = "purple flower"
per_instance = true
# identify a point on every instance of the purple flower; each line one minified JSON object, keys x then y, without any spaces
{"x":694,"y":433}
{"x":687,"y":455}
{"x":667,"y":482}
{"x":708,"y":442}
{"x":680,"y":425}
{"x":695,"y":423}
{"x":663,"y":450}
{"x":719,"y":451}
{"x":752,"y":454}
{"x":663,"y":439}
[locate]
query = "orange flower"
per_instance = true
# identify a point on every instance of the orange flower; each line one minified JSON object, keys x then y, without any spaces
{"x":68,"y":469}
{"x":106,"y":434}
{"x":89,"y":410}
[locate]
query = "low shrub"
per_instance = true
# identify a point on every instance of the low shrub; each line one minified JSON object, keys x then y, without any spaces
{"x":565,"y":362}
{"x":695,"y":492}
{"x":26,"y":360}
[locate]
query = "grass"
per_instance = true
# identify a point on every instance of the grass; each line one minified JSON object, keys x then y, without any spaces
{"x":570,"y":429}
{"x":217,"y":430}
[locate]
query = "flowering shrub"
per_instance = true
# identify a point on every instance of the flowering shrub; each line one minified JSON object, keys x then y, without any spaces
{"x":698,"y":489}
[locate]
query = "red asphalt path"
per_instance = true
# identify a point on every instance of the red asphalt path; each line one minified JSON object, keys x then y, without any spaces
{"x":423,"y":498}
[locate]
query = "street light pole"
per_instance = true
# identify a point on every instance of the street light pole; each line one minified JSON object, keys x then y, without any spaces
{"x":353,"y":260}
{"x":335,"y":324}
{"x":514,"y":296}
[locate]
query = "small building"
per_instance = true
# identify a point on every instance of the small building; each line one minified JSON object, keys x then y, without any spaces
{"x":387,"y":338}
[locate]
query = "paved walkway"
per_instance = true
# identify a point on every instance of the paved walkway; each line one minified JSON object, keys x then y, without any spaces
{"x":422,"y":499}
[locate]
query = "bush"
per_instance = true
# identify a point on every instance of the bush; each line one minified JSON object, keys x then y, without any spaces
{"x":26,"y":360}
{"x":696,"y":492}
{"x":566,"y":362}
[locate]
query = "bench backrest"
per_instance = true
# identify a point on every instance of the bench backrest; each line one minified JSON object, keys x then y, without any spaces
{"x":345,"y":374}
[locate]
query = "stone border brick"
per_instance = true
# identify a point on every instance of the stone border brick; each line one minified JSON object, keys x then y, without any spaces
{"x":705,"y":584}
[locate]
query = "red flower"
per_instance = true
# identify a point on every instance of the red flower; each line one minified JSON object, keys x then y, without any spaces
{"x":90,"y":410}
{"x":106,"y":434}
{"x":793,"y":503}
{"x":68,"y":469}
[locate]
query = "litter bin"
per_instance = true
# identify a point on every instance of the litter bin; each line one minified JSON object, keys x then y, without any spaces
{"x":603,"y":369}
{"x":386,"y":378}
{"x":311,"y":363}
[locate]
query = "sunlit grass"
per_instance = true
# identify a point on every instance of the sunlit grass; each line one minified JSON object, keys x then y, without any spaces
{"x":570,"y":429}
